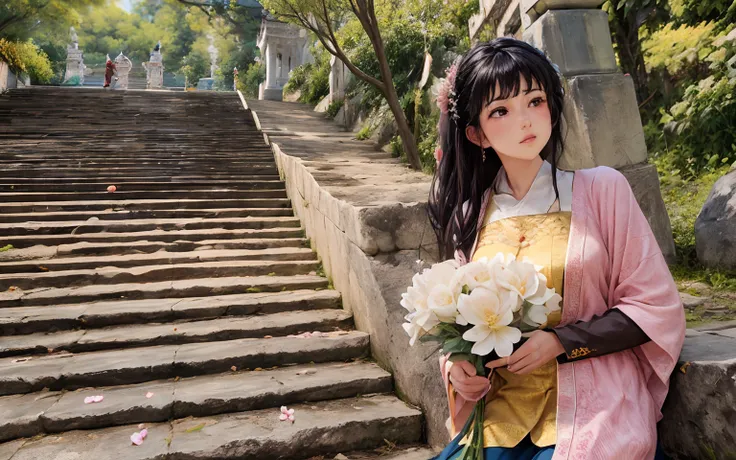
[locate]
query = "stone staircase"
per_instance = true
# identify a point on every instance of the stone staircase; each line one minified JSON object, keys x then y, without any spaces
{"x":189,"y":298}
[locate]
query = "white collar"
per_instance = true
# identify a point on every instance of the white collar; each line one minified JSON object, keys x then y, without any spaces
{"x":538,"y":200}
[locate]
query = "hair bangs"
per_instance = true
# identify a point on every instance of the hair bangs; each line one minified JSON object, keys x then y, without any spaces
{"x":503,"y":72}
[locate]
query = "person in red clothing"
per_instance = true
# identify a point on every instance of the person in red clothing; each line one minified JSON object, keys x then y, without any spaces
{"x":109,"y":71}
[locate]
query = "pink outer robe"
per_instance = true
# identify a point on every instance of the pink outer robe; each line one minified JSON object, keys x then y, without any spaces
{"x":608,"y":406}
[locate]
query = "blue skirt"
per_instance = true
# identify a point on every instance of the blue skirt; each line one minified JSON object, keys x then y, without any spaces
{"x":525,"y":450}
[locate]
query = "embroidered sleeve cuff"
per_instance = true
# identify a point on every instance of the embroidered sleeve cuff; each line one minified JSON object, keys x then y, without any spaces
{"x":611,"y":332}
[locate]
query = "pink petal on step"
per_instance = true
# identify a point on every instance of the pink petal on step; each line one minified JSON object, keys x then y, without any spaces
{"x":283,"y":409}
{"x":290,"y":411}
{"x":149,"y":395}
{"x":283,"y":417}
{"x":291,"y":418}
{"x":144,"y":433}
{"x":98,"y":398}
{"x":136,"y":438}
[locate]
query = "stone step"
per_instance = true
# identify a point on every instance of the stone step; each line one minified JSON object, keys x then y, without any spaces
{"x":71,"y":371}
{"x":25,"y":241}
{"x":179,"y":332}
{"x":110,"y":214}
{"x":147,"y":247}
{"x":150,"y":274}
{"x":142,"y":195}
{"x":159,"y":290}
{"x":143,"y":205}
{"x":222,"y":178}
{"x":58,"y":317}
{"x":202,"y":396}
{"x":95,"y":225}
{"x":156,"y":258}
{"x":142,"y":173}
{"x":322,"y":428}
{"x":11,"y":186}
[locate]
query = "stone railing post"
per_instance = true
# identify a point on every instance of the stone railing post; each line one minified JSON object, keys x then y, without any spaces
{"x":602,"y":123}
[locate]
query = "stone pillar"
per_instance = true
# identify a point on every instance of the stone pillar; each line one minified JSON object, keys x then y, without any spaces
{"x":74,"y":61}
{"x":338,"y":79}
{"x":155,"y":69}
{"x":602,"y":126}
{"x":123,"y":67}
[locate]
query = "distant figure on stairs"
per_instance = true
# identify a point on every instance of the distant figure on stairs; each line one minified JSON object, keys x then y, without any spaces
{"x":109,"y":71}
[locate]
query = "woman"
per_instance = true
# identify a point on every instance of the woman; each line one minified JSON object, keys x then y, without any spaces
{"x":109,"y":71}
{"x":591,"y":384}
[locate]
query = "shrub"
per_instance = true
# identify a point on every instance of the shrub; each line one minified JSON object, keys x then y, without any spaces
{"x":27,"y":58}
{"x":249,"y":81}
{"x":334,"y":108}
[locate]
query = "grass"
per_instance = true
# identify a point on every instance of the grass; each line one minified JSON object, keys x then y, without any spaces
{"x":684,"y":199}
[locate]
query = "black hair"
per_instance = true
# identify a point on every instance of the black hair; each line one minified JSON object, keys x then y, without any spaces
{"x":462,"y":175}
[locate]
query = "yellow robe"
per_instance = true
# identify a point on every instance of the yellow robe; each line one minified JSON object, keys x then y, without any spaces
{"x":519,"y":405}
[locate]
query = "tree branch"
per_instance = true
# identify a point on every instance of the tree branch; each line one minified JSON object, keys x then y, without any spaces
{"x":329,"y":41}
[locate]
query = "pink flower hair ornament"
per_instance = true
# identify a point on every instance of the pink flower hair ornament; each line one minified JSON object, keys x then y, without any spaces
{"x":444,"y":92}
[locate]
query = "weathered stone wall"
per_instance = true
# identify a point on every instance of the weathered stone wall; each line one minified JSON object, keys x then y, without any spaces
{"x":369,"y":247}
{"x":5,"y":76}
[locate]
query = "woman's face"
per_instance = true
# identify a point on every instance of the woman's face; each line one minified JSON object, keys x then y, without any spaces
{"x":518,"y":127}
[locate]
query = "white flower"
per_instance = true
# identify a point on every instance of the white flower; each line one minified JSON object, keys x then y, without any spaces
{"x":542,"y":306}
{"x":422,"y":283}
{"x":474,"y":274}
{"x":442,"y":301}
{"x":519,"y":277}
{"x":490,"y":313}
{"x":419,"y":323}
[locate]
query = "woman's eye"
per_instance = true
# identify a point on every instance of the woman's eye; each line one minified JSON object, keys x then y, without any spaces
{"x":537,"y":101}
{"x":498,"y":112}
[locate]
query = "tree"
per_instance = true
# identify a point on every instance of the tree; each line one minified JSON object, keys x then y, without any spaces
{"x":18,"y":18}
{"x":626,"y":18}
{"x":322,"y":17}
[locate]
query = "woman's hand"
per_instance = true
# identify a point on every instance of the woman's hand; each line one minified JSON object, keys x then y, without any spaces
{"x":539,"y":349}
{"x":467,"y":383}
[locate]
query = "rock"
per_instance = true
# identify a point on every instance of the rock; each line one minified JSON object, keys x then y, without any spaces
{"x":691,"y":301}
{"x":701,"y":400}
{"x":715,"y":228}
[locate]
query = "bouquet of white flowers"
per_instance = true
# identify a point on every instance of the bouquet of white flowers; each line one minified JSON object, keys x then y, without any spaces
{"x":474,"y":310}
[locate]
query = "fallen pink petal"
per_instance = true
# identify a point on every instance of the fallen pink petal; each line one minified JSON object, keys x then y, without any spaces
{"x":286,"y":414}
{"x":149,"y":395}
{"x":93,"y":399}
{"x":144,"y":433}
{"x":136,"y":438}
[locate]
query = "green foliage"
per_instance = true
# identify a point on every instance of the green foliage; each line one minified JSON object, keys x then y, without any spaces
{"x":695,"y":11}
{"x":334,"y":107}
{"x":249,"y":80}
{"x":312,"y":80}
{"x":364,"y":133}
{"x":19,"y":18}
{"x":677,"y":48}
{"x":195,"y":65}
{"x":6,"y":248}
{"x":703,"y":126}
{"x":9,"y":54}
{"x":27,"y":58}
